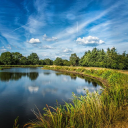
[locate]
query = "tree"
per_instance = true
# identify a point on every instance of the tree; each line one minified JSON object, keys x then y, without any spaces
{"x":48,"y":61}
{"x":58,"y":61}
{"x":41,"y":62}
{"x":16,"y":57}
{"x":74,"y":60}
{"x":33,"y":59}
{"x":66,"y":63}
{"x":6,"y":58}
{"x":23,"y":61}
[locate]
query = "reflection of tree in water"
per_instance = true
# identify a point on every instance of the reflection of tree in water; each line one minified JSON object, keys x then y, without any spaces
{"x":6,"y":76}
{"x":89,"y":80}
{"x":33,"y":75}
{"x":73,"y":77}
{"x":47,"y":73}
{"x":58,"y":73}
{"x":16,"y":76}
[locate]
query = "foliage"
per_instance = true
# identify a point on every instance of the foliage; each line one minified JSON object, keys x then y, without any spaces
{"x":6,"y":58}
{"x":48,"y":62}
{"x":15,"y":123}
{"x":74,"y":60}
{"x":33,"y":59}
{"x":109,"y":59}
{"x":58,"y":61}
{"x":23,"y":60}
{"x":16,"y":56}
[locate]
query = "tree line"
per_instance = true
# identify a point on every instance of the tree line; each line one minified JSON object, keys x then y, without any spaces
{"x":94,"y":58}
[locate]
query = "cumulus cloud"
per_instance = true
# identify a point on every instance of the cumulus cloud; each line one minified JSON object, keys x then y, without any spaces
{"x":46,"y":47}
{"x":3,"y":50}
{"x":90,"y":41}
{"x":34,"y":41}
{"x":67,"y":50}
{"x":49,"y":39}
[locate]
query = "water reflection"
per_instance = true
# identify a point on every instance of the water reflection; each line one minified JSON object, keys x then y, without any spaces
{"x":49,"y":90}
{"x":88,"y":80}
{"x":47,"y":73}
{"x":33,"y":75}
{"x":33,"y":89}
{"x":6,"y":76}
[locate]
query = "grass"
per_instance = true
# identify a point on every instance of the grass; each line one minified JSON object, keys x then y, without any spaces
{"x":1,"y":68}
{"x":106,"y":110}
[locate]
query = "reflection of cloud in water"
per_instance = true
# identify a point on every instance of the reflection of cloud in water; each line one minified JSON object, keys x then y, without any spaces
{"x":66,"y":79}
{"x":91,"y":89}
{"x":33,"y":89}
{"x":46,"y":82}
{"x":47,"y":90}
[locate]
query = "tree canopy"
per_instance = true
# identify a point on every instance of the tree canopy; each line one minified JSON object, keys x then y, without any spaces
{"x":95,"y":58}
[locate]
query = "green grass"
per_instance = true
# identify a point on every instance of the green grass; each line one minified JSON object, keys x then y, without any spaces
{"x":94,"y":110}
{"x":1,"y":68}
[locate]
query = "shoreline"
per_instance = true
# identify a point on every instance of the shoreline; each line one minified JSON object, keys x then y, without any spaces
{"x":103,"y":81}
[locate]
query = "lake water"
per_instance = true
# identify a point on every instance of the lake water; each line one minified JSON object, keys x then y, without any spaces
{"x":22,"y":89}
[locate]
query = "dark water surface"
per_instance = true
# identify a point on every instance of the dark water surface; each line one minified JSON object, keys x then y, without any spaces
{"x":23,"y":88}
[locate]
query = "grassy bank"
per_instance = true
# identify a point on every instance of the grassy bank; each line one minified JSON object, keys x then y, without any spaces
{"x":107,"y":110}
{"x":1,"y":68}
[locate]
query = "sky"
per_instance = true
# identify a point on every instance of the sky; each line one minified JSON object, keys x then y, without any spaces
{"x":59,"y":28}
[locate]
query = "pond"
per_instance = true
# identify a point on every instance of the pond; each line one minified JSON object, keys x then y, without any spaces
{"x":22,"y":89}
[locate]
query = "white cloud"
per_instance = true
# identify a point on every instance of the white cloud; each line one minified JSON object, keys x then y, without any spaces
{"x":47,"y":47}
{"x":34,"y":41}
{"x":90,"y":40}
{"x":3,"y":50}
{"x":67,"y":50}
{"x":9,"y":47}
{"x":49,"y":39}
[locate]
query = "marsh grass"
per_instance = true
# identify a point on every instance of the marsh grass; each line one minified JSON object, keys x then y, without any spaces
{"x":1,"y":68}
{"x":93,"y":110}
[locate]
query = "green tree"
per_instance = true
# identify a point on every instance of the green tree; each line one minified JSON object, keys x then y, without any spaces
{"x":6,"y":58}
{"x":66,"y":63}
{"x":33,"y":59}
{"x":74,"y":60}
{"x":16,"y":58}
{"x":58,"y":61}
{"x":48,"y":61}
{"x":23,"y":61}
{"x":41,"y":62}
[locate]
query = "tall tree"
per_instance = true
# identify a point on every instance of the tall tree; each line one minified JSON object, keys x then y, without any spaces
{"x":33,"y":59}
{"x":23,"y":61}
{"x":74,"y":60}
{"x":58,"y":61}
{"x":48,"y":61}
{"x":16,"y":57}
{"x":6,"y":58}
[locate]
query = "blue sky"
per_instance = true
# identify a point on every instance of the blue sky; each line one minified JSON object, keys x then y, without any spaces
{"x":58,"y":28}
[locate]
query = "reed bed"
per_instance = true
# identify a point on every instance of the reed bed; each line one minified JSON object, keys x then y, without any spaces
{"x":1,"y":68}
{"x":93,"y":110}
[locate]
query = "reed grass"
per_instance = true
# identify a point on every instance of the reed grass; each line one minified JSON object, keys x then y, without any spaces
{"x":93,"y":110}
{"x":1,"y":68}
